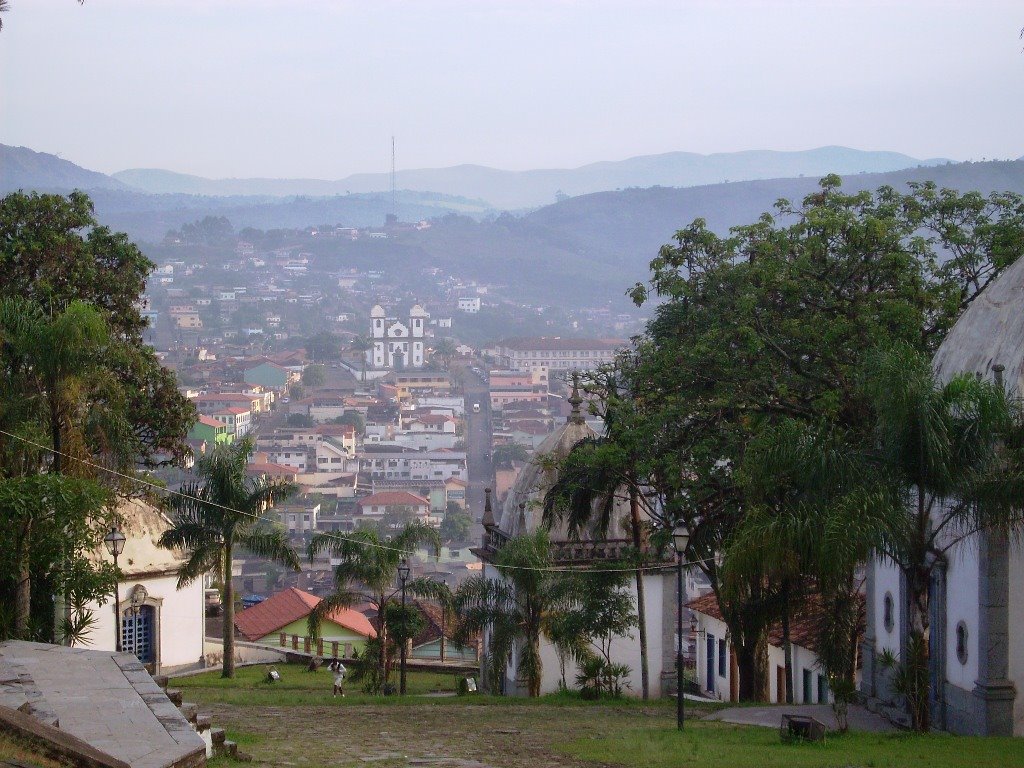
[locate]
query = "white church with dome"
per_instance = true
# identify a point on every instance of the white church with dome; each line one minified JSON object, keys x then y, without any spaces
{"x":522,"y":513}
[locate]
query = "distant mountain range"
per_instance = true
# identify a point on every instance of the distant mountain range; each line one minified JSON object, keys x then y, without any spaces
{"x":589,"y":248}
{"x":478,"y":186}
{"x":512,"y":190}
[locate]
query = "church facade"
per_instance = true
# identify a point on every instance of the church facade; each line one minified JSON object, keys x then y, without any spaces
{"x":397,"y":342}
{"x":520,"y":515}
{"x":976,"y":643}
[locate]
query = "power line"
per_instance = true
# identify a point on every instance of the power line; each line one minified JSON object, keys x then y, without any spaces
{"x":330,"y":535}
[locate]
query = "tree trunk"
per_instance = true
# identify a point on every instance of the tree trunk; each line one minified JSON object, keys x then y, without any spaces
{"x":751,"y":662}
{"x":23,"y":599}
{"x":641,"y":608}
{"x":918,"y":652}
{"x":228,"y":663}
{"x":537,"y":674}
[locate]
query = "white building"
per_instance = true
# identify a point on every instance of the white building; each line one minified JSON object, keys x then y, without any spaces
{"x":977,"y":595}
{"x":166,"y":629}
{"x":555,"y":353}
{"x":396,"y":344}
{"x":715,"y":670}
{"x":521,"y":514}
{"x":469,"y":305}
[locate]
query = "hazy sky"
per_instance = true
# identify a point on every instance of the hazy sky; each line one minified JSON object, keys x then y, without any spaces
{"x":317,"y":87}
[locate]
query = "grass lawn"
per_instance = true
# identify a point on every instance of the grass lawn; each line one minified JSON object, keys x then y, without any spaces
{"x":296,"y":722}
{"x":719,"y":745}
{"x":12,"y":748}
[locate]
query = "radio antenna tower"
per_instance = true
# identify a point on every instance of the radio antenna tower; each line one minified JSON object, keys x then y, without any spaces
{"x":394,"y":198}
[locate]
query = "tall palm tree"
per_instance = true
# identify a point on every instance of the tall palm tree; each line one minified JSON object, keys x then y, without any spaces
{"x":518,"y":608}
{"x":56,"y":388}
{"x":598,"y":473}
{"x":223,"y":513}
{"x":367,"y":571}
{"x":444,"y":351}
{"x":362,"y":345}
{"x":814,"y":509}
{"x":953,"y":454}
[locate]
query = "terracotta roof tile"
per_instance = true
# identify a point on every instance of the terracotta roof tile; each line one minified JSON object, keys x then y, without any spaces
{"x":284,"y":607}
{"x":396,"y":498}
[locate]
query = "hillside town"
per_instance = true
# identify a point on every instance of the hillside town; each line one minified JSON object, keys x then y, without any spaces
{"x":625,"y":421}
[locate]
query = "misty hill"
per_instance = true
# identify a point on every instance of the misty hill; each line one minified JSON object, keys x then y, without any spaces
{"x":526,"y":189}
{"x":591,"y":249}
{"x":23,"y":168}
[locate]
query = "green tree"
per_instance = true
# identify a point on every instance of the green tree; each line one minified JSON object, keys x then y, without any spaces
{"x":299,"y":420}
{"x":596,"y":475}
{"x":518,"y":608}
{"x":212,"y":519}
{"x":456,"y":525}
{"x":353,"y":418}
{"x":314,"y":376}
{"x":953,"y":452}
{"x":59,"y":394}
{"x":323,"y":346}
{"x":777,"y":321}
{"x":53,"y":253}
{"x":444,"y":352}
{"x":503,"y":455}
{"x":368,"y":571}
{"x":361,"y":345}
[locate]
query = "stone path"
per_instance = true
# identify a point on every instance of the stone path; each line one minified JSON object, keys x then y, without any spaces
{"x":106,"y":699}
{"x":771,"y":717}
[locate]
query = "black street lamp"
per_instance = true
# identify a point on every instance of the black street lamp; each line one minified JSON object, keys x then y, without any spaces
{"x":114,"y":542}
{"x":403,"y":576}
{"x":680,"y":538}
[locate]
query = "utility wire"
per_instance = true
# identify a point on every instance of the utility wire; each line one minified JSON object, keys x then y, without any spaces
{"x":331,"y":535}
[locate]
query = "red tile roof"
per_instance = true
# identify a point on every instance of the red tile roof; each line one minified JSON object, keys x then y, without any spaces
{"x":209,"y":421}
{"x":802,"y":626}
{"x":281,"y":609}
{"x":272,"y":470}
{"x":393,"y":498}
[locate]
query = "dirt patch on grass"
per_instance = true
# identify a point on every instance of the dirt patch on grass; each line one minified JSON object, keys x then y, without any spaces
{"x":446,"y":736}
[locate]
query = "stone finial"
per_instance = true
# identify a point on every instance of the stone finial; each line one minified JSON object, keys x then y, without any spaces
{"x":522,"y":519}
{"x":488,"y":518}
{"x":997,"y":374}
{"x":575,"y":416}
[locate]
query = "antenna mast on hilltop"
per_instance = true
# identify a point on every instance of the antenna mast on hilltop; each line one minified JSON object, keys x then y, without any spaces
{"x":394,"y":203}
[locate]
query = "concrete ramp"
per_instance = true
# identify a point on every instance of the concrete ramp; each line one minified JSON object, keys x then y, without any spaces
{"x":107,"y":700}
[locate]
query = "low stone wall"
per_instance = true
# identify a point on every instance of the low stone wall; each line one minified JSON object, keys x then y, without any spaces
{"x":245,"y":653}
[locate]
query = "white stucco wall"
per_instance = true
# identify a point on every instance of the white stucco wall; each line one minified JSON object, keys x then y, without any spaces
{"x":887,"y":579}
{"x":625,"y":649}
{"x":962,"y":605}
{"x":180,"y":620}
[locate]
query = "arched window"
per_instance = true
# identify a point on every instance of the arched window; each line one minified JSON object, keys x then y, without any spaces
{"x":961,"y":642}
{"x":887,"y":612}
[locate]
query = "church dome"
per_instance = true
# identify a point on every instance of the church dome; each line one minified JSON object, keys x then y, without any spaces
{"x":538,"y":475}
{"x":989,"y":333}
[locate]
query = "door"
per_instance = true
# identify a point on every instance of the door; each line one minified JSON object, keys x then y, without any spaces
{"x":937,"y":647}
{"x":808,"y":688}
{"x":710,"y":658}
{"x":780,"y":685}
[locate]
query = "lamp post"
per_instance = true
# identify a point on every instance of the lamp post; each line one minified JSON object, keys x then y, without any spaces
{"x":114,"y":542}
{"x":680,"y":538}
{"x":403,"y":576}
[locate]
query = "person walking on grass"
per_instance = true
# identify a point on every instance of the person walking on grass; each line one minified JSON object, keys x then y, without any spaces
{"x":339,"y":677}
